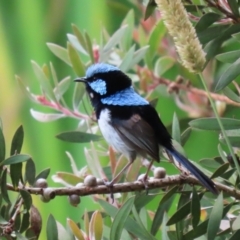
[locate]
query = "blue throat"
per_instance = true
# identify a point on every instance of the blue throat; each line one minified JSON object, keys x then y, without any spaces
{"x":126,"y":97}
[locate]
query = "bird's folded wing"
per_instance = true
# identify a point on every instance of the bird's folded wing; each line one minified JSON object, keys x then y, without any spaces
{"x":138,"y":134}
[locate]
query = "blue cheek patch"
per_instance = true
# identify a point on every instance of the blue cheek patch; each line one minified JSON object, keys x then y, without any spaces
{"x":126,"y":97}
{"x":99,"y":86}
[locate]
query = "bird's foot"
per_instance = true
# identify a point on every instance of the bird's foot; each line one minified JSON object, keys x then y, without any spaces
{"x":110,"y":185}
{"x":144,"y":179}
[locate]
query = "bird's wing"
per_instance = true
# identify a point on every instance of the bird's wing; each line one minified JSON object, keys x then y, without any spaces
{"x":138,"y":134}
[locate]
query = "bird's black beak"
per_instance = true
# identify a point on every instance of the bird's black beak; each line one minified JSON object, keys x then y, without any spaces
{"x":82,"y":79}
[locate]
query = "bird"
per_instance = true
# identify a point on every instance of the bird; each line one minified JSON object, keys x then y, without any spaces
{"x":129,"y":123}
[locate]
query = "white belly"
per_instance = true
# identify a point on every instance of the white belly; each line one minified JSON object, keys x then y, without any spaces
{"x":111,"y":136}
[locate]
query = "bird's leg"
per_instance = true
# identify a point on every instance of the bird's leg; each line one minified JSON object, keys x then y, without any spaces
{"x":144,"y":180}
{"x":114,"y":180}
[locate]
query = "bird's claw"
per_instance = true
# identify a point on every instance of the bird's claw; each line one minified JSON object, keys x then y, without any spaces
{"x":110,"y":186}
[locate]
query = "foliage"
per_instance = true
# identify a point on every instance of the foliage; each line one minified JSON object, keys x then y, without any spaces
{"x":145,"y":51}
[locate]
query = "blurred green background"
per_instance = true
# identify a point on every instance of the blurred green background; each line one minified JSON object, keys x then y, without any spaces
{"x":25,"y":27}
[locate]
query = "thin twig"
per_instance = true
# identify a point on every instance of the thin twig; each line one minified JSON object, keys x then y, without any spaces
{"x":177,"y":86}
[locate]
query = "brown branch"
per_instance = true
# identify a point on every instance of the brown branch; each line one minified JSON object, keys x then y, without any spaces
{"x":126,"y":187}
{"x":175,"y":86}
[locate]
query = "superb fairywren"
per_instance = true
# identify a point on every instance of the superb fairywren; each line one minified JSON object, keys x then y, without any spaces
{"x":128,"y":122}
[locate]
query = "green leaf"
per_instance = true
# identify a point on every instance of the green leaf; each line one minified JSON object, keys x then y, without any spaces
{"x":149,"y":9}
{"x":79,"y":36}
{"x":212,"y":124}
{"x":165,"y":228}
{"x":30,"y":171}
{"x":2,"y":146}
{"x":228,"y":57}
{"x":46,"y":117}
{"x":89,"y":47}
{"x":236,"y":223}
{"x":60,"y":52}
{"x":43,"y":174}
{"x":142,"y":199}
{"x":52,"y":232}
{"x":16,"y":173}
{"x":195,"y":208}
{"x":234,"y":7}
{"x":76,"y":44}
{"x":65,"y":177}
{"x":75,"y":230}
{"x":15,"y":159}
{"x":130,"y":225}
{"x":228,"y":76}
{"x":43,"y":81}
{"x":235,"y":236}
{"x":124,"y":66}
{"x":62,"y":87}
{"x":162,"y":65}
{"x":207,"y":20}
{"x":180,"y":214}
{"x":3,"y":183}
{"x":163,"y":207}
{"x":79,"y":91}
{"x":115,"y":39}
{"x":185,"y":136}
{"x":17,"y":141}
{"x":129,"y":20}
{"x":78,"y":137}
{"x":215,"y":218}
{"x":76,"y":62}
{"x":231,"y":95}
{"x":120,"y":219}
{"x":176,"y":133}
{"x":27,"y":199}
{"x":221,"y":170}
{"x":96,"y":226}
{"x":25,"y":222}
{"x":25,"y":89}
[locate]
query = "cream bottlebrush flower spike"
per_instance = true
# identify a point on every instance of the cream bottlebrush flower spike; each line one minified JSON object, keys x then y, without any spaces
{"x":184,"y":35}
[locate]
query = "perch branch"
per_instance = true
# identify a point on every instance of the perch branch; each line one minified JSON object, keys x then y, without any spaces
{"x":127,"y":187}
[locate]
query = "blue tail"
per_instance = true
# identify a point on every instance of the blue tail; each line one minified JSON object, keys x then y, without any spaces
{"x":206,"y":181}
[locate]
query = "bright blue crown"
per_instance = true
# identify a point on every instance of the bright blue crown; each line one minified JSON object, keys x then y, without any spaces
{"x":100,"y":68}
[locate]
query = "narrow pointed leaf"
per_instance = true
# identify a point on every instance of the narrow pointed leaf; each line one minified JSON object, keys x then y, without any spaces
{"x":78,"y":137}
{"x":43,"y":174}
{"x":89,"y":47}
{"x":228,"y":57}
{"x":16,"y":173}
{"x":212,"y":124}
{"x":79,"y":91}
{"x":27,"y":199}
{"x":163,"y":207}
{"x":215,"y":218}
{"x":3,"y":182}
{"x":75,"y":229}
{"x":124,"y":66}
{"x":2,"y":146}
{"x":236,"y":235}
{"x":43,"y":80}
{"x":76,"y":44}
{"x":120,"y":219}
{"x":76,"y":62}
{"x":131,"y":225}
{"x":149,"y":9}
{"x":17,"y":141}
{"x":221,"y":170}
{"x":46,"y":117}
{"x":60,"y":52}
{"x":185,"y":136}
{"x":176,"y":133}
{"x":15,"y":159}
{"x":96,"y":226}
{"x":52,"y":231}
{"x":228,"y":76}
{"x":231,"y":94}
{"x":79,"y":36}
{"x":163,"y":64}
{"x":236,"y":223}
{"x":30,"y":171}
{"x":195,"y":208}
{"x":62,"y":87}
